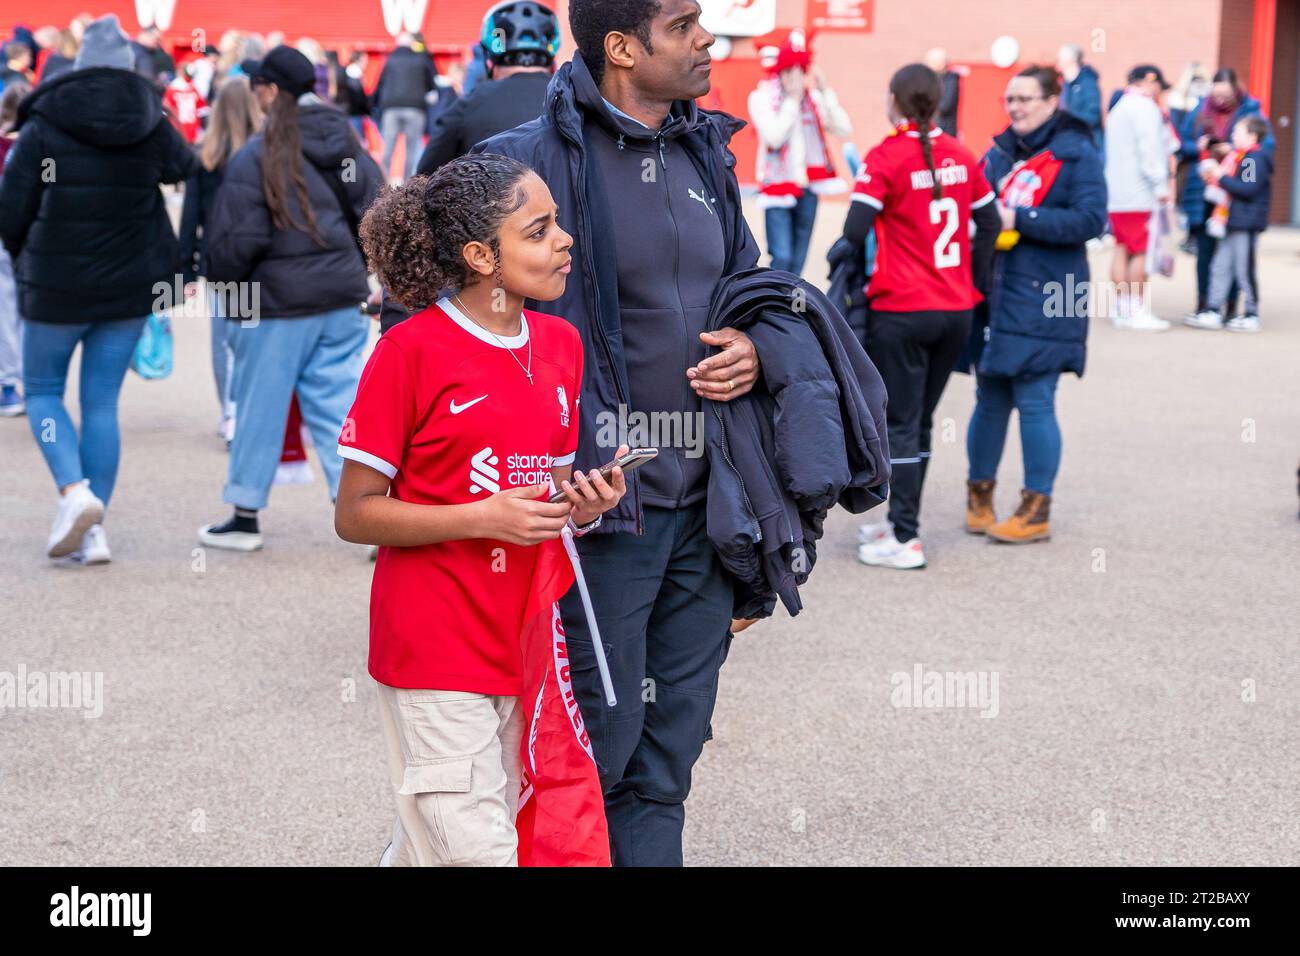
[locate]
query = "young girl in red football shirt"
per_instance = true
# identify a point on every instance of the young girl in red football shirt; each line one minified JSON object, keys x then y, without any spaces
{"x":465,"y":415}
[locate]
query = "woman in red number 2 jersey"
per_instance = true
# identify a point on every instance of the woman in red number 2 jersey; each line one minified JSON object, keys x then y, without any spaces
{"x":920,"y":189}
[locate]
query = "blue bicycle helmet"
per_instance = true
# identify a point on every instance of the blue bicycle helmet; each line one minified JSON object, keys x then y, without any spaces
{"x":521,"y":33}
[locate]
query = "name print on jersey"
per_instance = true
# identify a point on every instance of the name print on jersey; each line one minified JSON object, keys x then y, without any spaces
{"x":948,"y":176}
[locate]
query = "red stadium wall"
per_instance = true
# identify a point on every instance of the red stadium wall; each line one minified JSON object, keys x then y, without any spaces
{"x":1115,"y":34}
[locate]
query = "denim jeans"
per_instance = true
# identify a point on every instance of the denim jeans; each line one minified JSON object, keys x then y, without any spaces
{"x":11,"y":355}
{"x":317,"y":357}
{"x":789,"y":231}
{"x":663,"y":605}
{"x":106,"y":350}
{"x":1040,"y":435}
{"x":223,"y":355}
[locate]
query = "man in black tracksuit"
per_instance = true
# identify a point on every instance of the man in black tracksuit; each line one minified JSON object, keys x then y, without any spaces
{"x":644,"y":181}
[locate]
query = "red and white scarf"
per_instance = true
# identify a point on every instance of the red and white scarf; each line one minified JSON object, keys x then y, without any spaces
{"x":781,"y":183}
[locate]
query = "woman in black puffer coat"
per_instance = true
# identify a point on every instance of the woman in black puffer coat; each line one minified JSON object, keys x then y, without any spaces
{"x":94,"y":254}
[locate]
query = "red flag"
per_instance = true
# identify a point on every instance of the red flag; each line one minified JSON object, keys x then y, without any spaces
{"x":561,"y":819}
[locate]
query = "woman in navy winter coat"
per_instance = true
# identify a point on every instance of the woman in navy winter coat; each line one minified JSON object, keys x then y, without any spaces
{"x":1052,"y":199}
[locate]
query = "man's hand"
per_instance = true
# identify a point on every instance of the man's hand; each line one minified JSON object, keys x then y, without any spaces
{"x":729,"y":374}
{"x":739,"y":624}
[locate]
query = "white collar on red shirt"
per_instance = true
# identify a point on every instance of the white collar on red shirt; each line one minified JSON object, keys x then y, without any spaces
{"x":476,"y":330}
{"x":910,"y":129}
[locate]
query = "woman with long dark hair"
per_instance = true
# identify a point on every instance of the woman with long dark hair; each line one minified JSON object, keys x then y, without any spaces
{"x":283,"y":237}
{"x":920,"y":189}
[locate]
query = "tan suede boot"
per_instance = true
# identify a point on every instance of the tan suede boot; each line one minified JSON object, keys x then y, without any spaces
{"x":1029,"y":523}
{"x":979,"y":507}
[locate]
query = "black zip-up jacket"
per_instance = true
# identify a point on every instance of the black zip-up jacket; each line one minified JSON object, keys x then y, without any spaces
{"x":200,"y":194}
{"x":80,"y":208}
{"x":812,"y":433}
{"x":405,"y":80}
{"x":296,"y":276}
{"x":556,"y":146}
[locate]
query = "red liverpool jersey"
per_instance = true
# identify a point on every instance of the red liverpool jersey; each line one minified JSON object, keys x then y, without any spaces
{"x":445,"y":411}
{"x":923,"y":244}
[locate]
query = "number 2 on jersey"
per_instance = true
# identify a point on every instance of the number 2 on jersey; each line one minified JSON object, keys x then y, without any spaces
{"x":947,"y":253}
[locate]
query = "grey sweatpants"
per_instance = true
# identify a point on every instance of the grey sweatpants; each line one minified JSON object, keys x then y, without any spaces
{"x":1234,"y":259}
{"x":403,"y":120}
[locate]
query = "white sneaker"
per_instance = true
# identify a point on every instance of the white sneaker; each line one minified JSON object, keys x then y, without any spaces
{"x":1144,"y":322}
{"x":78,"y":510}
{"x":888,"y":553}
{"x":294,"y":473}
{"x":94,"y":547}
{"x":1244,"y":323}
{"x":227,"y":429}
{"x":228,"y":539}
{"x":1209,"y":319}
{"x":874,"y":531}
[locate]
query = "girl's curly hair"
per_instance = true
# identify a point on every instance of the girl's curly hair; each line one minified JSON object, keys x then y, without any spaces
{"x":414,"y":235}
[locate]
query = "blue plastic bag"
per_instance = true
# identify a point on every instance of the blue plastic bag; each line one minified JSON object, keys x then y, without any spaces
{"x":153,"y":353}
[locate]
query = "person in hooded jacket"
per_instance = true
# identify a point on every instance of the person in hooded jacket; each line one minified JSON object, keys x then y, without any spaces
{"x":1052,"y":200}
{"x":284,"y":227}
{"x":644,"y":181}
{"x":84,"y":220}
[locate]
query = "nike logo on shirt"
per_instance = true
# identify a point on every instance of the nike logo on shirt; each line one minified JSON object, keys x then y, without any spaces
{"x":457,"y":409}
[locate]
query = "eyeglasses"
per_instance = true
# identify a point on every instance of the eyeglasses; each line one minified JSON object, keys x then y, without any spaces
{"x":1020,"y":100}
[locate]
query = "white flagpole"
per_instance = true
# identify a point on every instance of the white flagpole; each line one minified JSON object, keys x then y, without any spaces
{"x":567,"y":536}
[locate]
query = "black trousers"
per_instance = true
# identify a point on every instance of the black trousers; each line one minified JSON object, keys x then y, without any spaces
{"x":915,"y":353}
{"x":663,"y":603}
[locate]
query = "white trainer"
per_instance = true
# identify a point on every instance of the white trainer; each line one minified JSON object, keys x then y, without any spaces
{"x":888,"y":553}
{"x":1244,"y":323}
{"x":1209,"y":319}
{"x":229,"y":539}
{"x":78,"y":510}
{"x":94,"y":547}
{"x":1144,"y":322}
{"x":874,"y":531}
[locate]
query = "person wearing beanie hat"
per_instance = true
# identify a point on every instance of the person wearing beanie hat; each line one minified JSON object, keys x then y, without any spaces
{"x":794,"y":160}
{"x":104,"y":44}
{"x":92,"y":247}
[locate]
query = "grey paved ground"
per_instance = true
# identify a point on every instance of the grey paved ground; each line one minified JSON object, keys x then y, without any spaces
{"x":229,"y":735}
